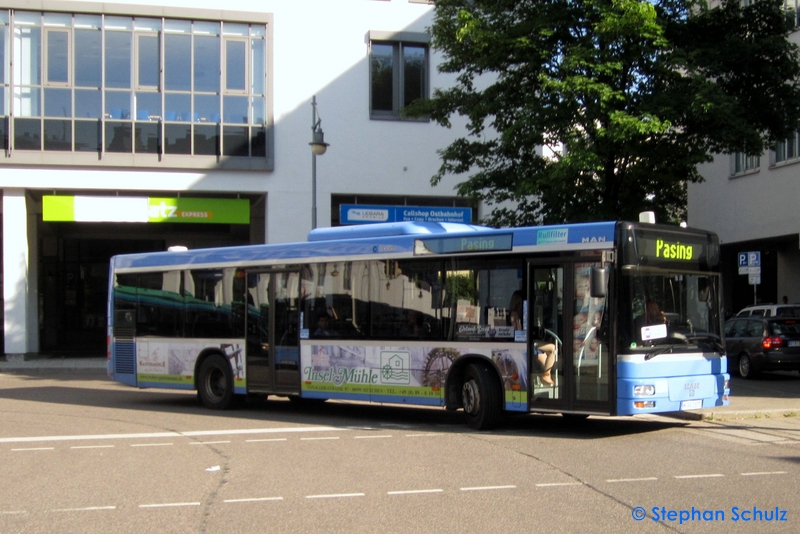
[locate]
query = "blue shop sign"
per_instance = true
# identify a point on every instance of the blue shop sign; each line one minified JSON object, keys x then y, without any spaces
{"x":366,"y":214}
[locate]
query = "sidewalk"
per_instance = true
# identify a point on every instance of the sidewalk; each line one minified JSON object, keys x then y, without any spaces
{"x":45,"y":364}
{"x":745,"y":408}
{"x":767,"y":395}
{"x":770,"y":395}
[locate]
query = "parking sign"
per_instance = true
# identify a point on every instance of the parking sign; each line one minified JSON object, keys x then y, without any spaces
{"x":743,"y":259}
{"x":750,"y":265}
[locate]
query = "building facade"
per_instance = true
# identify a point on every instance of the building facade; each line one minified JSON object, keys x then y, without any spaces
{"x":140,"y":126}
{"x":752,"y":209}
{"x":749,"y":202}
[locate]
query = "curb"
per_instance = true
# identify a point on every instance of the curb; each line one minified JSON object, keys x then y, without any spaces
{"x":52,"y":371}
{"x":53,"y":366}
{"x":735,"y":414}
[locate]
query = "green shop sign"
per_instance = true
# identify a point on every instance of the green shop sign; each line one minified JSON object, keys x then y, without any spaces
{"x":145,"y":210}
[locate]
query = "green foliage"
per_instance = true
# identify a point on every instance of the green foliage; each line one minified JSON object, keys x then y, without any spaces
{"x":598,"y":109}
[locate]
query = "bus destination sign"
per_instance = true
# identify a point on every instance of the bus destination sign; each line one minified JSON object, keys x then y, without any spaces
{"x":668,"y":247}
{"x":454,"y":245}
{"x":674,"y":251}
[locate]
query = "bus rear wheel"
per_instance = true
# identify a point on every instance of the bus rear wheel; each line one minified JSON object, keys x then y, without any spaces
{"x":215,"y":383}
{"x":480,"y":398}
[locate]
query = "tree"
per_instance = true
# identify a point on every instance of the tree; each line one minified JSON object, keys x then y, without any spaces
{"x":599,"y":109}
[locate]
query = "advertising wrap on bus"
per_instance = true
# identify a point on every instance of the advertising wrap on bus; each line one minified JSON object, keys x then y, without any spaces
{"x":404,"y":373}
{"x":170,"y":362}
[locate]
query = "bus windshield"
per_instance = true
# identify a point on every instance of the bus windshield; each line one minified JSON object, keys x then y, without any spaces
{"x":669,"y":307}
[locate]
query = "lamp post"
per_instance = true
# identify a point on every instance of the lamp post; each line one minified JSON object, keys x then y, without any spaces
{"x":318,"y":148}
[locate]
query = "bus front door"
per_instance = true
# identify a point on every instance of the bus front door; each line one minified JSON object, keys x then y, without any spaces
{"x":273,"y":350}
{"x":568,"y":341}
{"x":546,"y":337}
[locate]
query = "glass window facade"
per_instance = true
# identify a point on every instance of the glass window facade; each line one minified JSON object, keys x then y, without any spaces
{"x":742,"y":163}
{"x":398,"y":76}
{"x":135,"y":85}
{"x":787,"y":150}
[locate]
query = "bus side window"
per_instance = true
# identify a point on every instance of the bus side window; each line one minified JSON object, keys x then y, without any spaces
{"x":160,"y":308}
{"x":210,"y":307}
{"x":125,"y":305}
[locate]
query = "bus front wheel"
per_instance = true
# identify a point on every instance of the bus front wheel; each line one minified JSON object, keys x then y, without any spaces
{"x":480,"y":397}
{"x":215,"y":384}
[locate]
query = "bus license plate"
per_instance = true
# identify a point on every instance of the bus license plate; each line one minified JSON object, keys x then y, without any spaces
{"x":691,"y":405}
{"x":794,"y":343}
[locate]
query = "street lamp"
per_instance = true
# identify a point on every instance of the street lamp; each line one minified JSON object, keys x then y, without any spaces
{"x":318,"y":148}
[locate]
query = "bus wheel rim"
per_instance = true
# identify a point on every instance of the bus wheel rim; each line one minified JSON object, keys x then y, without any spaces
{"x":471,"y":397}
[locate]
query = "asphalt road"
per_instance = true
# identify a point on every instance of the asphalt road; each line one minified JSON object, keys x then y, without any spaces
{"x":82,"y":454}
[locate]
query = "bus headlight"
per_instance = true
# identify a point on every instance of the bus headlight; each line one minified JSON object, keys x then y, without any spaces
{"x":644,"y":391}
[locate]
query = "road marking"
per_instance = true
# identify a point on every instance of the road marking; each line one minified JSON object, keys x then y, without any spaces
{"x":318,"y":439}
{"x":262,"y":440}
{"x":334,"y":495}
{"x":279,"y":430}
{"x":715,"y":475}
{"x":255,"y":499}
{"x":485,"y":488}
{"x":14,"y":512}
{"x":169,"y":505}
{"x":411,"y":492}
{"x":763,"y":473}
{"x":207,"y":442}
{"x":371,"y":437}
{"x":552,"y":484}
{"x":195,"y":433}
{"x":645,"y":479}
{"x":34,"y":449}
{"x":421,"y":435}
{"x":151,"y":444}
{"x":92,"y":447}
{"x":87,"y":509}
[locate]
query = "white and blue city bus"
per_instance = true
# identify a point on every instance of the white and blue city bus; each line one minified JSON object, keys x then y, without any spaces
{"x":607,"y":318}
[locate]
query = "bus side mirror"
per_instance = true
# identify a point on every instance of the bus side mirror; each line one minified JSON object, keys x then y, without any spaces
{"x":599,"y":281}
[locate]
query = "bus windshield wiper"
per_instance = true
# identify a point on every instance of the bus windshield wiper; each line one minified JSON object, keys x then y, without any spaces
{"x":661,"y":350}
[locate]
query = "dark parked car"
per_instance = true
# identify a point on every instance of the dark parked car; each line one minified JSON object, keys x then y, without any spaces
{"x":755,"y":344}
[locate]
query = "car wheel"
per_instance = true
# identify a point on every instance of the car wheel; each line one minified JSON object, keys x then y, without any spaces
{"x":745,"y":366}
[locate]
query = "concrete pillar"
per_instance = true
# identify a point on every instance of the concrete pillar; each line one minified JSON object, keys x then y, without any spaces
{"x":15,"y":274}
{"x":33,"y":276}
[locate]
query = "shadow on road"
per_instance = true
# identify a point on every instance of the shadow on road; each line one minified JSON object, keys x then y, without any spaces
{"x":89,"y":391}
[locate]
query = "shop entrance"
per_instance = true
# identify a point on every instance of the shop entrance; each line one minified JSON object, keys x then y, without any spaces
{"x":73,"y":290}
{"x":73,"y":274}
